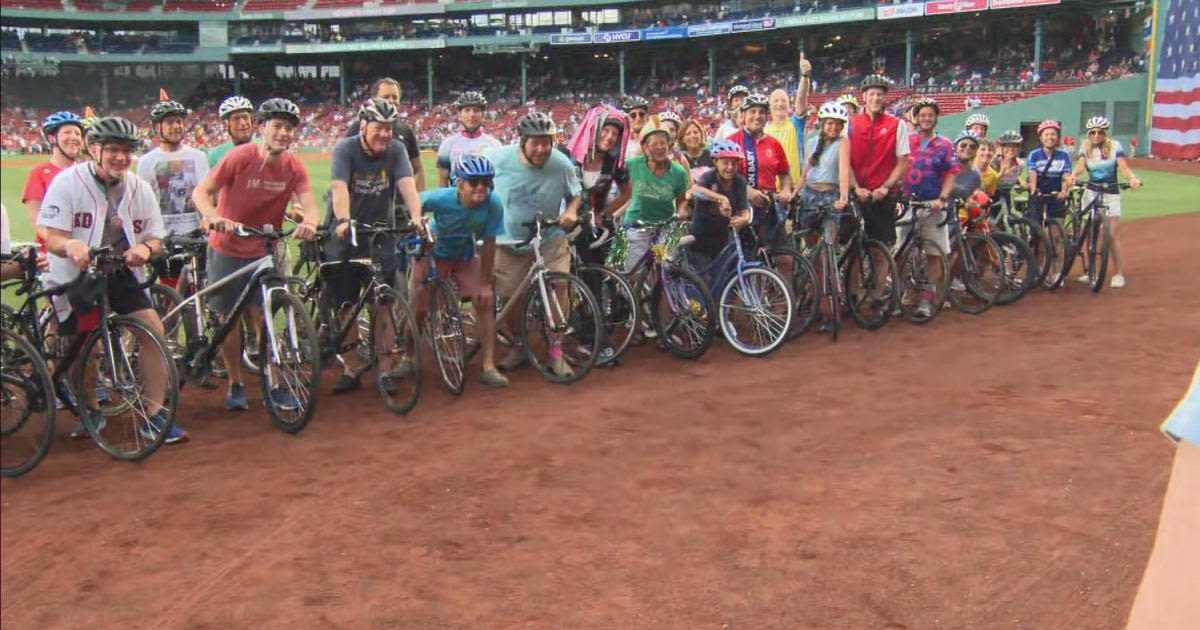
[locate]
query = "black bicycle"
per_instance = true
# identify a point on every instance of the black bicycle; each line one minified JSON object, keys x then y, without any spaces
{"x":923,"y":272}
{"x":1089,"y":234}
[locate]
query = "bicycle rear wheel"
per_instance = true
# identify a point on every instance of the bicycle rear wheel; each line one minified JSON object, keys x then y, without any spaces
{"x":122,"y":421}
{"x":870,"y":282}
{"x":447,"y":335}
{"x":618,"y":308}
{"x":1021,"y":267}
{"x":26,"y":405}
{"x":395,"y":351}
{"x":755,"y":311}
{"x":569,"y":314}
{"x":802,"y":280}
{"x":291,"y":363}
{"x":682,"y":312}
{"x":979,"y":268}
{"x":922,"y":281}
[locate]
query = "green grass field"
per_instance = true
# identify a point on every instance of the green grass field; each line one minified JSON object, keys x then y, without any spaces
{"x":1164,"y":193}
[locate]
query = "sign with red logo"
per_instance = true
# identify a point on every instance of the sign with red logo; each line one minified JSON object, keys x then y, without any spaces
{"x":936,"y":7}
{"x":1012,"y":4}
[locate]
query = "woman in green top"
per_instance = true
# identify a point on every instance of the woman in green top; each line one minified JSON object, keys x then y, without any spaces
{"x":659,"y":190}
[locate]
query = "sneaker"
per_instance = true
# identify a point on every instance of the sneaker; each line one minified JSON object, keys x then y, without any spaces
{"x":154,"y":425}
{"x":235,"y":400}
{"x":1086,"y":279}
{"x":607,"y":356}
{"x":284,"y":400}
{"x":493,"y":378}
{"x":957,"y":285}
{"x":1118,"y":282}
{"x":515,"y":359}
{"x":924,"y":309}
{"x":560,"y":368}
{"x":94,"y":418}
{"x":346,"y":383}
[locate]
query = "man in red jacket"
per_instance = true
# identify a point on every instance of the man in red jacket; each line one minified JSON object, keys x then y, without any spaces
{"x":879,"y":157}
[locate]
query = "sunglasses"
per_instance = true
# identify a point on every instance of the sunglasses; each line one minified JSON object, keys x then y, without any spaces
{"x":476,"y":182}
{"x":1096,"y":132}
{"x":636,"y":114}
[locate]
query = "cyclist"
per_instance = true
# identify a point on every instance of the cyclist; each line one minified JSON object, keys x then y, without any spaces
{"x":671,"y":122}
{"x":368,"y":171}
{"x":930,"y":177}
{"x":879,"y":148}
{"x":720,"y":201}
{"x":1048,"y":169}
{"x":389,"y":90}
{"x":532,"y":178}
{"x":978,"y":124}
{"x":472,"y":140}
{"x":984,"y":158}
{"x":1102,"y":156}
{"x":237,"y":115}
{"x":766,"y":170}
{"x":787,"y":124}
{"x":1008,"y":165}
{"x":825,"y":180}
{"x":64,"y":131}
{"x":638,"y":111}
{"x":101,"y":203}
{"x":692,"y":142}
{"x":596,"y":149}
{"x":173,"y":169}
{"x":252,"y":184}
{"x":849,"y":102}
{"x":733,"y":123}
{"x":462,"y":214}
{"x":659,"y":190}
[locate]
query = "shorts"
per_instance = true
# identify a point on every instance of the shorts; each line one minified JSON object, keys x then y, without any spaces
{"x":125,"y":296}
{"x":343,"y":284}
{"x":879,"y":218}
{"x":929,"y":228}
{"x":221,"y":265}
{"x":813,"y":199}
{"x":511,"y":266}
{"x":1111,"y":201}
{"x":466,"y":274}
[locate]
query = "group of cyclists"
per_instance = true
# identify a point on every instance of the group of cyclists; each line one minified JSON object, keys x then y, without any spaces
{"x":628,"y":185}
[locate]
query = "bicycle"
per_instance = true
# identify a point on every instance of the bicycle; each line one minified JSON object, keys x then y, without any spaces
{"x":1019,"y":262}
{"x":1089,"y":234}
{"x":445,"y":324}
{"x":1046,"y":243}
{"x":919,"y":297}
{"x":26,"y":402}
{"x":618,"y":304}
{"x":754,"y":304}
{"x":976,"y":263}
{"x":1056,"y":238}
{"x":291,"y":375}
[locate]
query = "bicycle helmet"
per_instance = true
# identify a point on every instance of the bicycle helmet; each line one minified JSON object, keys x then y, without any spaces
{"x":848,"y":99}
{"x":279,"y":108}
{"x":738,"y":90}
{"x":727,"y":149}
{"x":234,"y":104}
{"x":378,"y":110}
{"x":833,"y":110}
{"x":926,"y":101}
{"x":966,"y":134}
{"x":473,"y":166}
{"x":163,"y":109}
{"x":977,"y":119}
{"x":635,"y":102}
{"x":1097,"y":122}
{"x":52,"y":122}
{"x":471,"y":98}
{"x":756,"y":100}
{"x":1010,"y":137}
{"x":1049,"y":124}
{"x":875,"y":80}
{"x":649,"y":129}
{"x":536,"y":124}
{"x":671,"y":116}
{"x":113,"y":129}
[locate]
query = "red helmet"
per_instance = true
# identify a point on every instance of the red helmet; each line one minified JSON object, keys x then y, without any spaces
{"x":1049,"y":124}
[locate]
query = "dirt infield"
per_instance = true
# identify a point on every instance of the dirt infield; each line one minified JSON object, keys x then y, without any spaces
{"x":1167,"y":166}
{"x":1000,"y":471}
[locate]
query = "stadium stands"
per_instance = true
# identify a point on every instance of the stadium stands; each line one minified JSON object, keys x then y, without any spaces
{"x":199,"y":5}
{"x":272,"y":5}
{"x":31,"y":4}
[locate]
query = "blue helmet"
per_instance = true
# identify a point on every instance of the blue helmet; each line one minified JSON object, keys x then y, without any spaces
{"x":966,"y":134}
{"x":52,"y":122}
{"x":468,"y":166}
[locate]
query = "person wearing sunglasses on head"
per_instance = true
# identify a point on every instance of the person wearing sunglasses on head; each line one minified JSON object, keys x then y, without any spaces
{"x":1102,"y":156}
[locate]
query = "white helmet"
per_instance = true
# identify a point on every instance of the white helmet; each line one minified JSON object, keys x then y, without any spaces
{"x":1097,"y":122}
{"x":234,"y":104}
{"x":834,"y":110}
{"x":977,"y":119}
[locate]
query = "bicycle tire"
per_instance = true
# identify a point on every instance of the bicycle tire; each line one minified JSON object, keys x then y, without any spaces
{"x":618,"y":306}
{"x":163,"y":298}
{"x":826,"y":268}
{"x":1100,"y":254}
{"x":1056,"y":237}
{"x":303,"y":385}
{"x":982,"y":285}
{"x":22,"y":371}
{"x":584,"y":314}
{"x":1035,"y":237}
{"x":125,"y":384}
{"x":447,"y":336}
{"x":1021,"y":267}
{"x":874,"y":312}
{"x":913,"y":281}
{"x":391,"y":312}
{"x":805,"y":292}
{"x":769,"y":329}
{"x":699,"y":319}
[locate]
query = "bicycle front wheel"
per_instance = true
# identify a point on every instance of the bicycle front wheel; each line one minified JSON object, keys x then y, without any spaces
{"x":802,"y":280}
{"x":290,"y":362}
{"x":561,"y":329}
{"x":1021,"y":267}
{"x":26,"y":405}
{"x":870,"y":284}
{"x":447,"y":335}
{"x":922,"y":279}
{"x":618,"y":307}
{"x":395,"y":351}
{"x":979,"y":272}
{"x":756,"y":311}
{"x":1057,"y":252}
{"x":1099,"y":238}
{"x":683,"y":313}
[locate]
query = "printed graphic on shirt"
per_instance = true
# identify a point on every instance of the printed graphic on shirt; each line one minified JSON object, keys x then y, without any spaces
{"x":370,"y":184}
{"x":174,"y":181}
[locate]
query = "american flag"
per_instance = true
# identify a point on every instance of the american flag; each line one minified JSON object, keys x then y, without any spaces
{"x":1175,"y":131}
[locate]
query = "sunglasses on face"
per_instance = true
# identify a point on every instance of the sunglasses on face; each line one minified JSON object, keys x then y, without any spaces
{"x":1096,"y":132}
{"x":476,"y":182}
{"x":636,"y":114}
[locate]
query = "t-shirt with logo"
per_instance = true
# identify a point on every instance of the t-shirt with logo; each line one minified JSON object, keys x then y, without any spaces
{"x":172,"y":176}
{"x":1102,"y":169}
{"x":255,"y":191}
{"x":772,"y":160}
{"x":653,"y":195}
{"x":370,"y":179}
{"x":930,"y":160}
{"x":1049,"y":168}
{"x":457,"y":226}
{"x":460,"y":144}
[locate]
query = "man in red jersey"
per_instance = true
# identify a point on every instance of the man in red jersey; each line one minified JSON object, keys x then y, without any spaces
{"x":878,"y":157}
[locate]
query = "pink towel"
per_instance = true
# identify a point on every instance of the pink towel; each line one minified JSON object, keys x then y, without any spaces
{"x":583,"y":143}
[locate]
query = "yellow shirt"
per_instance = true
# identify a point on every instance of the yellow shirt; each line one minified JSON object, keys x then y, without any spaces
{"x":785,"y":133}
{"x":990,"y":177}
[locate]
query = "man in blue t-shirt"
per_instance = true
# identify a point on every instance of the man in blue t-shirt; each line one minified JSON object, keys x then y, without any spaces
{"x":458,"y":216}
{"x":1049,"y":169}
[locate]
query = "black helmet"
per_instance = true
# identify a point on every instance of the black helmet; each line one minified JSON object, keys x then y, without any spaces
{"x":876,"y":80}
{"x":162,"y":109}
{"x":378,"y":110}
{"x":279,"y":108}
{"x":635,"y":102}
{"x":756,"y":100}
{"x":536,"y":124}
{"x":925,"y":101}
{"x":113,"y":129}
{"x":471,"y":99}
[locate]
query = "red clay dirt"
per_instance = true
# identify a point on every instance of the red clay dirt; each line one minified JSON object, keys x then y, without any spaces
{"x":999,"y":471}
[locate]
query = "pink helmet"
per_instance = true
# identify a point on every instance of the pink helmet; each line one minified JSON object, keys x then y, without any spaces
{"x":1049,"y":124}
{"x":727,"y":149}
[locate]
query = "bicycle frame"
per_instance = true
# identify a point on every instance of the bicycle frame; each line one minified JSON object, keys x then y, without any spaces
{"x":536,"y":273}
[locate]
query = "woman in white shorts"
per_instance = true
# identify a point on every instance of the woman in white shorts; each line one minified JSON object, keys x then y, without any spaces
{"x":1102,"y":156}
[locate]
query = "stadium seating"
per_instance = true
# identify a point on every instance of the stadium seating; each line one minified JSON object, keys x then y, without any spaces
{"x":272,"y":5}
{"x":31,"y":4}
{"x":199,"y":5}
{"x":334,"y":4}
